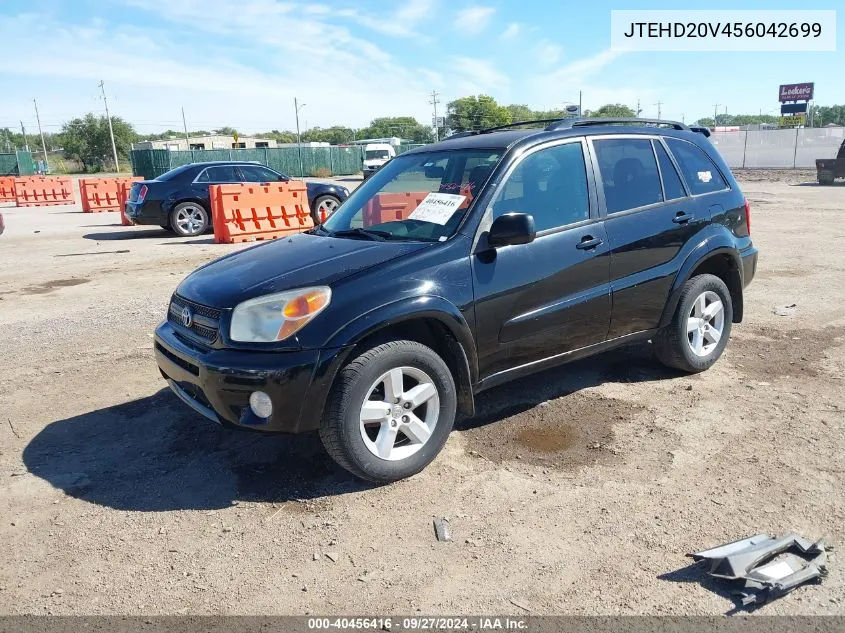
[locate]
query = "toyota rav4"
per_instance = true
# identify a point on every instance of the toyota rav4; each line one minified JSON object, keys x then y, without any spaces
{"x":459,"y":266}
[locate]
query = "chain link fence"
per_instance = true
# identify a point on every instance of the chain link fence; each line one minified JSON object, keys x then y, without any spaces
{"x":778,"y":149}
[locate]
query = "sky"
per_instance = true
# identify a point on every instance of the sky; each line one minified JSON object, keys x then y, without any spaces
{"x":240,"y":63}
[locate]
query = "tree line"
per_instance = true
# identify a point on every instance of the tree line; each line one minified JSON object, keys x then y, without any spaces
{"x":86,"y":139}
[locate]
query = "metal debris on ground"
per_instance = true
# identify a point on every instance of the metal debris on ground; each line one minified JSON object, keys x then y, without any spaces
{"x":765,"y":567}
{"x":442,"y":530}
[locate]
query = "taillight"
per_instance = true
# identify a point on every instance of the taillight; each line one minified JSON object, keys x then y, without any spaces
{"x":142,"y":193}
{"x":748,"y":215}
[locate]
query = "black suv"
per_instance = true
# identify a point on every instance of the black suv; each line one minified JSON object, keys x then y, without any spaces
{"x":459,"y":266}
{"x":178,"y":200}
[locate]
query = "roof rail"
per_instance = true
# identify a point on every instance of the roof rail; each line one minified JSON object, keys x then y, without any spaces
{"x":563,"y":124}
{"x":496,"y":128}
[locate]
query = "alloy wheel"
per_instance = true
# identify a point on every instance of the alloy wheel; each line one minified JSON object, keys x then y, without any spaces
{"x":399,"y":413}
{"x":705,"y":323}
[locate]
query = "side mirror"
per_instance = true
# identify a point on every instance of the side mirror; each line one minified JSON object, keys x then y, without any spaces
{"x":512,"y":228}
{"x":435,"y":173}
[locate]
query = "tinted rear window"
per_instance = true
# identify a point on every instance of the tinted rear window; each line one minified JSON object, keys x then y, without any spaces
{"x":175,"y":172}
{"x":700,"y":172}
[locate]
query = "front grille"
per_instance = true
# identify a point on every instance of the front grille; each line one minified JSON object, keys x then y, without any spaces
{"x":205,"y":321}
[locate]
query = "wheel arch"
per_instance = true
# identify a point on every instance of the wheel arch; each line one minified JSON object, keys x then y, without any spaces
{"x":724,"y":262}
{"x":431,"y":321}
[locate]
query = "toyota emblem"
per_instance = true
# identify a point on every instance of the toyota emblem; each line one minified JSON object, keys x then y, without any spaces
{"x":187,"y":317}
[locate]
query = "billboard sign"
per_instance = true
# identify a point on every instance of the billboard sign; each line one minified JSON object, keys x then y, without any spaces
{"x":795,"y":92}
{"x":792,"y":121}
{"x":793,"y":108}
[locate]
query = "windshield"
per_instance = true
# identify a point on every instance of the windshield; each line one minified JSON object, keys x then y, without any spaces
{"x":376,"y":153}
{"x":418,"y":196}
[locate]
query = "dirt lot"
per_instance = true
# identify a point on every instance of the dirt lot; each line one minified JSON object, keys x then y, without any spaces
{"x":578,"y":490}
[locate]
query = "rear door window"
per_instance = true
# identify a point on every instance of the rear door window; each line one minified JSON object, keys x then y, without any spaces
{"x":672,"y":186}
{"x":629,"y":173}
{"x":700,"y":172}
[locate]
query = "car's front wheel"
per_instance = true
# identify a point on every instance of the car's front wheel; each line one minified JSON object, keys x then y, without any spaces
{"x":324,"y":206}
{"x":700,"y":327}
{"x":188,"y":219}
{"x":390,"y":411}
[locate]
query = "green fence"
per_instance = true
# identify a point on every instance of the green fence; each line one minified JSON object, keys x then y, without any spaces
{"x":332,"y":161}
{"x":17,"y":164}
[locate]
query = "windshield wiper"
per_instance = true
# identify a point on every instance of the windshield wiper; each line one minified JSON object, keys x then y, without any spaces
{"x":320,"y":230}
{"x":372,"y":234}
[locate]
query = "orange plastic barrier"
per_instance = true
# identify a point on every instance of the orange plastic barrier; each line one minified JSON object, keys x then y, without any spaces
{"x":39,"y":191}
{"x":387,"y":207}
{"x":248,"y":212}
{"x":102,"y":194}
{"x":7,"y":188}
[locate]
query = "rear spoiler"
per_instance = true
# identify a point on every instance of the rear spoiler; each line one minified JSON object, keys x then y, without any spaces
{"x":701,"y":130}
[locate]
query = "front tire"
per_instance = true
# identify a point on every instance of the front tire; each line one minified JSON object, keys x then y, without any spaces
{"x":189,"y":219}
{"x":324,"y":206}
{"x":700,"y":328}
{"x":390,"y":411}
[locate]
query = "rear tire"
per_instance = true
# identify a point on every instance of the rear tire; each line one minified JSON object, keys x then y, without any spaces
{"x":826,"y":178}
{"x":324,"y":205}
{"x":700,"y":328}
{"x":189,"y":219}
{"x":389,"y":412}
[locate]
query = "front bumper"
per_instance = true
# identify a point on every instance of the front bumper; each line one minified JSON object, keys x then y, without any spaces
{"x":217,"y":383}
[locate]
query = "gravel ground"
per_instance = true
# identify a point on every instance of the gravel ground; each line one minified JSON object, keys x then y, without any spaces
{"x":575,"y":491}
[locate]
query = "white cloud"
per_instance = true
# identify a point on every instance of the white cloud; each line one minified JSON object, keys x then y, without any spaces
{"x":513,"y":30}
{"x":473,"y":19}
{"x":477,"y":73}
{"x":585,"y":67}
{"x":247,"y":77}
{"x":547,"y":52}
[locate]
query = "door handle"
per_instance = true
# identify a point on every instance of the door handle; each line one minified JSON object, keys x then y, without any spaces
{"x":682,"y":217}
{"x":587,"y":242}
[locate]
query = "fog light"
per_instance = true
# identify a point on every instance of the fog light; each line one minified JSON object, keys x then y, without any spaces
{"x":261,"y":404}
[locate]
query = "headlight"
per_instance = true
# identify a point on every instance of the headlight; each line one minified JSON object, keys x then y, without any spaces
{"x":276,"y":317}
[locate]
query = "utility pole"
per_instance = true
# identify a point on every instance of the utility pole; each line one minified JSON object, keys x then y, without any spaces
{"x":111,"y":131}
{"x":639,"y":109}
{"x":658,"y":104}
{"x":298,"y":107}
{"x":434,"y":102}
{"x":715,"y":114}
{"x":25,"y":143}
{"x":580,"y":97}
{"x":43,"y":144}
{"x":185,"y":127}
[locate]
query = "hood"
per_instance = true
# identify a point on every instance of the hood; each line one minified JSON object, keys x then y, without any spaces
{"x":286,"y":263}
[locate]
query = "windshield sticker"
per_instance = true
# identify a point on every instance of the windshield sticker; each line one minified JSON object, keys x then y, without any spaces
{"x":705,"y":176}
{"x":437,"y":208}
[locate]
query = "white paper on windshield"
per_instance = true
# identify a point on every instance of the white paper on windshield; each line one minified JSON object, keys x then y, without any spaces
{"x":437,"y":208}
